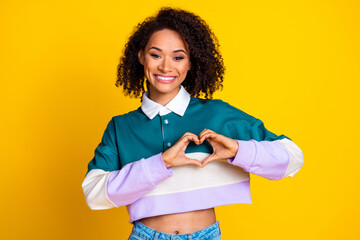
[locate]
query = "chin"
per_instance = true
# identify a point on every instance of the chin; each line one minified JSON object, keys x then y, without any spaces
{"x":166,"y":88}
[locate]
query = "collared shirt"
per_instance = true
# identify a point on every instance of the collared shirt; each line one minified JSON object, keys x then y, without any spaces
{"x":128,"y":169}
{"x":177,"y":105}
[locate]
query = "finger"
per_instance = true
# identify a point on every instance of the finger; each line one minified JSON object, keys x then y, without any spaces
{"x":187,"y":134}
{"x":204,"y":131}
{"x":187,"y":138}
{"x":193,"y":162}
{"x":208,"y":160}
{"x":208,"y":136}
{"x":194,"y":138}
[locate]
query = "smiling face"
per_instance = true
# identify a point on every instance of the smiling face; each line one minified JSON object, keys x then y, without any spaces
{"x":166,"y":62}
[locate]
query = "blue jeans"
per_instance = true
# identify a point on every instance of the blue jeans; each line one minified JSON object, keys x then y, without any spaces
{"x":143,"y":232}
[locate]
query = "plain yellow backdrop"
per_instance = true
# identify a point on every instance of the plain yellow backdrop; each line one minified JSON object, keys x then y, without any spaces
{"x":293,"y":64}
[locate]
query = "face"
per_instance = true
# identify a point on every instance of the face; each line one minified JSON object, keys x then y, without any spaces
{"x":166,"y":62}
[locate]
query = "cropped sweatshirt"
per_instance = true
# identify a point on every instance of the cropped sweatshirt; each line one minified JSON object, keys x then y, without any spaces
{"x":128,"y":170}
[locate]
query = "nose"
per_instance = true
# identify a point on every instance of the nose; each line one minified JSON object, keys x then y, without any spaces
{"x":165,"y":65}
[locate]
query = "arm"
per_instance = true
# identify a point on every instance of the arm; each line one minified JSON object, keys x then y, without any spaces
{"x":108,"y":189}
{"x":272,"y":157}
{"x":268,"y":155}
{"x":273,"y":160}
{"x":107,"y":186}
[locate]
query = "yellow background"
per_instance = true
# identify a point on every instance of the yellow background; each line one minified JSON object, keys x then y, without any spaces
{"x":293,"y":64}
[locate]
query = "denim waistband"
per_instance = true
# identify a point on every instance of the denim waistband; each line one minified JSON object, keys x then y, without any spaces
{"x":144,"y":232}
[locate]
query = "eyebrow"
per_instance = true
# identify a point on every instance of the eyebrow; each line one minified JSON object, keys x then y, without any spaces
{"x":175,"y":51}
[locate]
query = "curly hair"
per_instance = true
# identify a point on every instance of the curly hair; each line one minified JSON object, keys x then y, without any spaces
{"x":207,"y":66}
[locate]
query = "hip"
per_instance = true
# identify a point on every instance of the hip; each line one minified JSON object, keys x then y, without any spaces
{"x":142,"y":232}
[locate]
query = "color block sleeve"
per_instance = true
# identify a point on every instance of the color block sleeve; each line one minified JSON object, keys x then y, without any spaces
{"x":107,"y":186}
{"x":267,"y":155}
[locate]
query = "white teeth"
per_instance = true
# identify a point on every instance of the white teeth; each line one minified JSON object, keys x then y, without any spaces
{"x":165,"y":78}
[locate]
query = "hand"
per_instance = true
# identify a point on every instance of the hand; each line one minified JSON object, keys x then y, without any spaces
{"x":223,"y":147}
{"x":175,"y":156}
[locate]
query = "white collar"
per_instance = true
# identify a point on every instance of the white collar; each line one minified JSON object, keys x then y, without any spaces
{"x":177,"y":105}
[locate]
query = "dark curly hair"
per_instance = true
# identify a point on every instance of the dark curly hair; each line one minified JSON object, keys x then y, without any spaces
{"x":207,"y":66}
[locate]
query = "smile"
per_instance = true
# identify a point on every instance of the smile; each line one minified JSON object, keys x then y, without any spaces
{"x":164,"y":79}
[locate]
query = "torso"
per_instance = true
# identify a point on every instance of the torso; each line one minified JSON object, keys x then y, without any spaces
{"x":181,"y":223}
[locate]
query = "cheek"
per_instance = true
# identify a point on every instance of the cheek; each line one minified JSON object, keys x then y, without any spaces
{"x":185,"y":68}
{"x":149,"y":64}
{"x":147,"y":70}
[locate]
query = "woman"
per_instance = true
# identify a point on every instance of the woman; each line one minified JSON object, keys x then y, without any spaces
{"x":175,"y":158}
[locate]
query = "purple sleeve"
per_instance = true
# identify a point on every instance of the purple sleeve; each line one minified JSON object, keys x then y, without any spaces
{"x":136,"y":179}
{"x":269,"y":159}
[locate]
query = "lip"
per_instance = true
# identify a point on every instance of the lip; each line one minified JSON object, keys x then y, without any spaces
{"x":164,"y":81}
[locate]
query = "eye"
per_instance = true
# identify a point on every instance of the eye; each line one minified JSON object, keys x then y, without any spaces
{"x":154,"y":55}
{"x":178,"y":58}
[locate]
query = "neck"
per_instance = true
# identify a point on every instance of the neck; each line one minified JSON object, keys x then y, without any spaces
{"x":162,"y":98}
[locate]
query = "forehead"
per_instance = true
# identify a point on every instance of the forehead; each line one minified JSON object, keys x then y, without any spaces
{"x":166,"y":39}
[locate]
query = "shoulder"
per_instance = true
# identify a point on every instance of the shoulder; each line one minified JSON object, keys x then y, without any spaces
{"x":130,"y":115}
{"x":219,"y":106}
{"x":124,"y":120}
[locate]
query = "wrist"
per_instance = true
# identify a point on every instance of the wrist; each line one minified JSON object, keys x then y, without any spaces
{"x":235,"y":148}
{"x":165,"y":159}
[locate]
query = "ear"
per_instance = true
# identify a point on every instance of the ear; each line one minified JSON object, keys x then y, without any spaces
{"x":141,"y":57}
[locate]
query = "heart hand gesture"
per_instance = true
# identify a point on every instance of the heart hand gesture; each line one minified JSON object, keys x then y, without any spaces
{"x":175,"y":156}
{"x":223,"y":147}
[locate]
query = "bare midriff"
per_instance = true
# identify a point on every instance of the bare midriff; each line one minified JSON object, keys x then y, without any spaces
{"x":181,"y":223}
